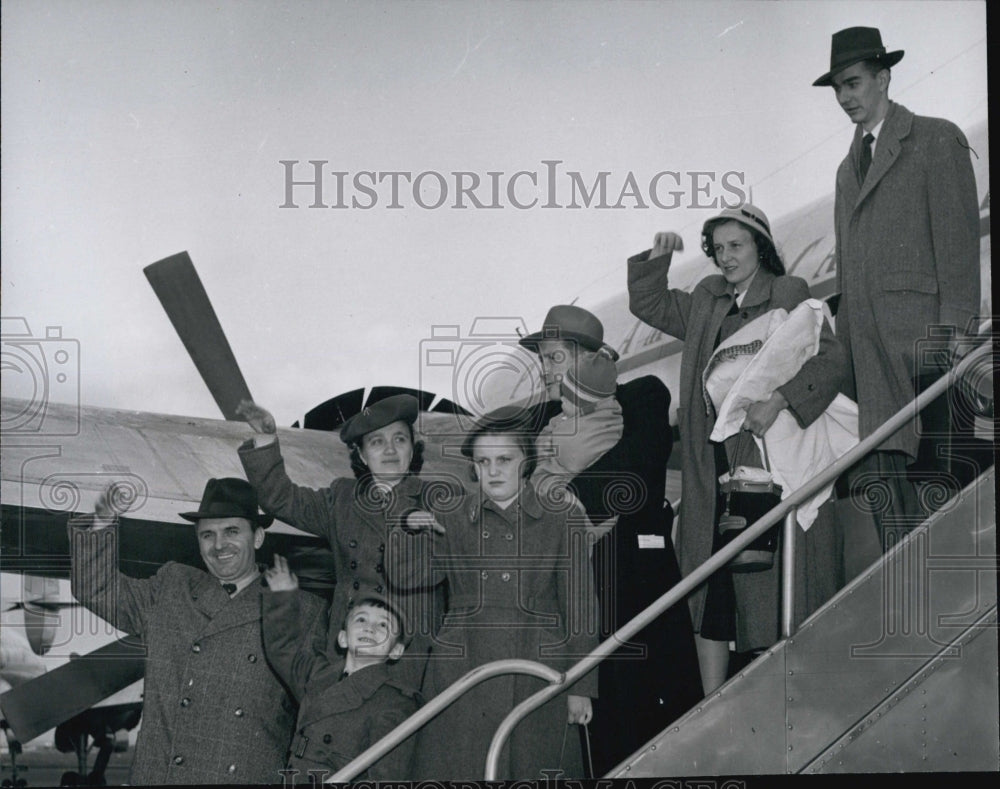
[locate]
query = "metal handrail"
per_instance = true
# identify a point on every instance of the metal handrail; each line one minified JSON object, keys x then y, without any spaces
{"x":458,"y":688}
{"x":723,"y":556}
{"x":559,"y":682}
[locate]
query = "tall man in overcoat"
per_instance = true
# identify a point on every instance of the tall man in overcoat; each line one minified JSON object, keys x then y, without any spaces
{"x":907,"y":256}
{"x":213,"y":712}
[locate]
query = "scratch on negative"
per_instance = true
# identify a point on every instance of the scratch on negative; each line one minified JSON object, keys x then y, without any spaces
{"x":731,"y":27}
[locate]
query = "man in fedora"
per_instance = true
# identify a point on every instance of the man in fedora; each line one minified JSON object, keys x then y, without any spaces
{"x":907,"y":257}
{"x":213,"y":710}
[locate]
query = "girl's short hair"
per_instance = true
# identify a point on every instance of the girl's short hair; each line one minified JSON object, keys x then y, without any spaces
{"x":497,"y":424}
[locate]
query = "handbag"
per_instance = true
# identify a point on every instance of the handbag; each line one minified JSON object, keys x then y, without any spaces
{"x":750,"y":493}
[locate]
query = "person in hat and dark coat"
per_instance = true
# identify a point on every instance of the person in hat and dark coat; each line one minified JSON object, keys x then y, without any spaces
{"x":751,"y":281}
{"x":907,"y":256}
{"x":519,"y":587}
{"x":354,"y":515}
{"x":616,"y":460}
{"x":213,"y":710}
{"x":346,"y":703}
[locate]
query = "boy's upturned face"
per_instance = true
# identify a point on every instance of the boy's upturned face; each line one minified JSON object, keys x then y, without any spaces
{"x":371,"y":633}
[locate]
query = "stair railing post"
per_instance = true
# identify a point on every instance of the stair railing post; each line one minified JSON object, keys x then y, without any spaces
{"x":788,"y":574}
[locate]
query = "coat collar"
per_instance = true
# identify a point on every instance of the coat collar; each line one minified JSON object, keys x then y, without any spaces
{"x":895,"y":128}
{"x":526,"y":502}
{"x":222,"y":611}
{"x":339,"y":695}
{"x":758,"y":293}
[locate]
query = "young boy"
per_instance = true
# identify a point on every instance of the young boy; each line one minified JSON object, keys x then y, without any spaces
{"x":346,"y":703}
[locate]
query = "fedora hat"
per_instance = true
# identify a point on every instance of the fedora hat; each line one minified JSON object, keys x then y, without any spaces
{"x":229,"y":497}
{"x":854,"y":44}
{"x":746,"y":214}
{"x":401,"y":407}
{"x":575,"y":324}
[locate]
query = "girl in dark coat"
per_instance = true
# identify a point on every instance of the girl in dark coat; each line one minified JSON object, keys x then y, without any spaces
{"x":618,"y":470}
{"x":751,"y":282}
{"x":518,"y":587}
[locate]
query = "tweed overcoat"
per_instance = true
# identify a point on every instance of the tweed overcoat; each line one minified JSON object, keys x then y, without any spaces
{"x":907,"y":256}
{"x":356,"y":524}
{"x":519,"y":586}
{"x":339,"y":717}
{"x":214,"y":711}
{"x":654,"y":678}
{"x":698,"y":318}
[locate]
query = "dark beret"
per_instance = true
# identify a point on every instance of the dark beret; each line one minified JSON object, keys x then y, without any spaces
{"x":401,"y":407}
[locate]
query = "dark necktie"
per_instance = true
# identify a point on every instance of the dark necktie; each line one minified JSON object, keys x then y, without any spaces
{"x":230,"y":589}
{"x":866,"y":154}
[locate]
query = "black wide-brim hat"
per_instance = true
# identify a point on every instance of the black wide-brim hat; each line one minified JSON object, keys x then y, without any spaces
{"x":853,"y":45}
{"x":567,"y":322}
{"x":401,"y":407}
{"x":230,"y":497}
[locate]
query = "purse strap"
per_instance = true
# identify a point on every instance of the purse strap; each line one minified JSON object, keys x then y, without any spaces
{"x":589,"y":765}
{"x":739,"y":449}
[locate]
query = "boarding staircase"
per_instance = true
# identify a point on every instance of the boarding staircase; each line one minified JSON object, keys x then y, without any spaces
{"x":897,"y":673}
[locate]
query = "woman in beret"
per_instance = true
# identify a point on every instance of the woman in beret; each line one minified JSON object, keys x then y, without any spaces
{"x":354,"y":515}
{"x":750,"y":281}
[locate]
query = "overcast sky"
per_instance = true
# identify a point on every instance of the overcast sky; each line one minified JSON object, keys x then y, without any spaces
{"x":134,"y":130}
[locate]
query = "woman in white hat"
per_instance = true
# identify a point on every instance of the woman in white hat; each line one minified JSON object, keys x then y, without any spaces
{"x":749,"y":281}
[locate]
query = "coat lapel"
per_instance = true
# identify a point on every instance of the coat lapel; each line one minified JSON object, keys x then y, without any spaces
{"x":896,"y":127}
{"x":235,"y":611}
{"x":340,"y":695}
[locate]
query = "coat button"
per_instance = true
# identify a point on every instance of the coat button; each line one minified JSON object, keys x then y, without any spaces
{"x":380,"y":568}
{"x":508,"y":536}
{"x":356,"y":585}
{"x":381,"y":548}
{"x":744,"y":314}
{"x":354,"y":564}
{"x":484,"y":575}
{"x":486,"y":535}
{"x":196,"y":648}
{"x":810,"y":387}
{"x":379,"y":588}
{"x":353,"y":543}
{"x":252,"y":658}
{"x":505,"y":577}
{"x":327,"y":739}
{"x":239,"y":712}
{"x":185,"y":702}
{"x":178,"y":760}
{"x":231,"y":768}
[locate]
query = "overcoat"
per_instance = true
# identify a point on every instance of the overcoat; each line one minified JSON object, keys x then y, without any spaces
{"x":355,"y":520}
{"x":519,"y":586}
{"x":339,"y":716}
{"x":907,"y":256}
{"x":654,"y":678}
{"x":699,"y":318}
{"x":213,"y":711}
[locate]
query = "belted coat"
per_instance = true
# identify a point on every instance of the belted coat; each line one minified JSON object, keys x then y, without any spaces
{"x":339,"y":716}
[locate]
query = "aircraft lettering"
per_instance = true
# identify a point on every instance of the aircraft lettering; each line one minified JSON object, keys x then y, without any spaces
{"x":654,"y":336}
{"x":623,"y":349}
{"x":790,"y":269}
{"x":826,"y":266}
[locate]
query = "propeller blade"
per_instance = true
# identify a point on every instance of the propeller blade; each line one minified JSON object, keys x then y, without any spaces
{"x":179,"y":289}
